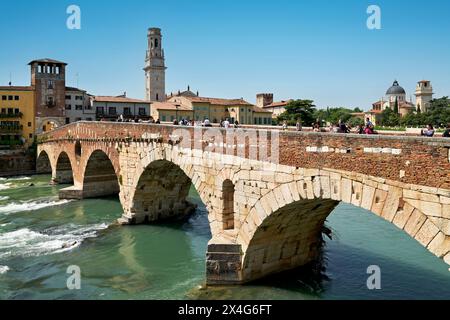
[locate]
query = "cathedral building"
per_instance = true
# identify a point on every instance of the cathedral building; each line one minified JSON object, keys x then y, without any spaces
{"x":396,"y":95}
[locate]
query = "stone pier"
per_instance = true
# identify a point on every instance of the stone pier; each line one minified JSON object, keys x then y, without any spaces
{"x":266,"y":216}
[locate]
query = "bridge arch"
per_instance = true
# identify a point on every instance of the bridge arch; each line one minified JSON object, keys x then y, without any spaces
{"x":64,"y":169}
{"x":161,"y":193}
{"x":43,"y":163}
{"x":100,"y":177}
{"x":284,"y":228}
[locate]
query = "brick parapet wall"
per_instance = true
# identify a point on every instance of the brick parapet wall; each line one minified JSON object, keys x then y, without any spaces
{"x":412,"y":160}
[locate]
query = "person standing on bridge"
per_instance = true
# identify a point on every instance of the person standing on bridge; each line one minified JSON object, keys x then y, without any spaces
{"x":226,"y":123}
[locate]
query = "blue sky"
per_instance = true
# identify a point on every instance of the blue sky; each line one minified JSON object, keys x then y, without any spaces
{"x":320,"y":50}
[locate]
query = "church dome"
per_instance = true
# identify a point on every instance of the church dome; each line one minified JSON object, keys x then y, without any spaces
{"x":395,"y":89}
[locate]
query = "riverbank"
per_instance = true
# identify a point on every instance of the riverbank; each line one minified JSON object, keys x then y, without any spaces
{"x":16,"y":163}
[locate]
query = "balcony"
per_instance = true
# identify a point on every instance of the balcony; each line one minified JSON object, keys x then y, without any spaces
{"x":11,"y":115}
{"x":8,"y":129}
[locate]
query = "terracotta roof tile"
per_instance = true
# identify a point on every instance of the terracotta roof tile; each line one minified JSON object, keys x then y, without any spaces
{"x":219,"y":101}
{"x":278,"y":104}
{"x":170,"y":106}
{"x":16,"y":88}
{"x":118,"y":99}
{"x":258,"y":109}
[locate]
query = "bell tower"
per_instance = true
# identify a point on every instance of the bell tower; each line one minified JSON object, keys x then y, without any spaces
{"x":155,"y":69}
{"x":424,"y":95}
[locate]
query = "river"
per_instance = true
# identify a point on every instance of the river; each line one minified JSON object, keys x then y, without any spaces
{"x":41,"y":236}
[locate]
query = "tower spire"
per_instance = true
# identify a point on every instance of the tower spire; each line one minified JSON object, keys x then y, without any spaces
{"x":155,"y":69}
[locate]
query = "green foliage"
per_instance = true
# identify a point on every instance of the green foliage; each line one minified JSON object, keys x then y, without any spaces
{"x":354,"y":122}
{"x":302,"y":110}
{"x":389,"y":118}
{"x":333,"y":115}
{"x":396,"y":106}
{"x":438,"y":114}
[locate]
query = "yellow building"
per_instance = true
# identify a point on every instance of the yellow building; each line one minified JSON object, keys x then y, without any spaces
{"x":17,"y":116}
{"x":188,"y":105}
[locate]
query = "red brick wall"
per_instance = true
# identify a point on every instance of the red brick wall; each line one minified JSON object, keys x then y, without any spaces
{"x":423,"y":161}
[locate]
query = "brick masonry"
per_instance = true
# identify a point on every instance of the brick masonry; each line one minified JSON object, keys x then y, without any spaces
{"x":279,"y":208}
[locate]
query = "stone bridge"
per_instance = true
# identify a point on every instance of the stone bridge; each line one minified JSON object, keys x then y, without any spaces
{"x":268,"y":193}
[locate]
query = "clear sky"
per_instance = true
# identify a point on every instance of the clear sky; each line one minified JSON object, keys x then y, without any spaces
{"x":320,"y":50}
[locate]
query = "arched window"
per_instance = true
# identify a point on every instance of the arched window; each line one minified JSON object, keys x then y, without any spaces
{"x":156,"y":43}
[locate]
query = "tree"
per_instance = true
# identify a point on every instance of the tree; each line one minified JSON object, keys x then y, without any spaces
{"x":355,"y":121}
{"x":438,"y":113}
{"x":333,"y":115}
{"x":299,"y":109}
{"x":389,"y":118}
{"x":396,"y":106}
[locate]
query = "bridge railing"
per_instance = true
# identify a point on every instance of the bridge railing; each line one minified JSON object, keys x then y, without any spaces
{"x":415,"y":160}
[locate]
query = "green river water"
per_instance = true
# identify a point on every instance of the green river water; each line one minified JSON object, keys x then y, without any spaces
{"x":168,"y":261}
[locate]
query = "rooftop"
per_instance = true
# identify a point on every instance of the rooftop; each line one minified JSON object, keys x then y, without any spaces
{"x":219,"y":101}
{"x":15,"y":88}
{"x":74,"y":89}
{"x":119,"y":99}
{"x":47,"y":60}
{"x":278,"y":104}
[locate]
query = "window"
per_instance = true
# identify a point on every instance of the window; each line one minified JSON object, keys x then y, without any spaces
{"x":68,"y":97}
{"x":171,"y":118}
{"x":78,"y":107}
{"x":68,"y":107}
{"x":242,"y":109}
{"x":16,"y":111}
{"x":127,"y":111}
{"x":77,"y":119}
{"x":265,"y":120}
{"x":142,"y":112}
{"x":67,"y":120}
{"x":10,"y":98}
{"x":112,"y":111}
{"x":100,"y":110}
{"x":16,"y":98}
{"x":157,"y":97}
{"x":4,"y":98}
{"x":3,"y":111}
{"x":29,"y":124}
{"x":255,"y":120}
{"x":259,"y":120}
{"x":50,"y":84}
{"x":88,"y":119}
{"x":156,"y":43}
{"x":163,"y":118}
{"x":30,"y":135}
{"x":10,"y":111}
{"x":50,"y":101}
{"x":78,"y":97}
